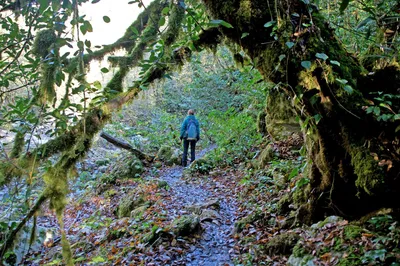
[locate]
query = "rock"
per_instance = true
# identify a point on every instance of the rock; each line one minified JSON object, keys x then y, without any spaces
{"x":282,"y":244}
{"x":185,"y":225}
{"x":139,"y":211}
{"x":241,"y":224}
{"x":169,"y":155}
{"x":209,"y":204}
{"x":127,"y":204}
{"x":266,"y":156}
{"x":209,"y":215}
{"x":328,"y":220}
{"x":127,"y":166}
{"x":162,"y":184}
{"x":84,"y":246}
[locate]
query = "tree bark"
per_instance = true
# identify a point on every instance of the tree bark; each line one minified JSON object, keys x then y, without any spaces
{"x":125,"y":145}
{"x":346,"y":146}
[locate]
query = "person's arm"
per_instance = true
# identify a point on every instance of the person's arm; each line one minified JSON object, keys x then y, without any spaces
{"x":198,"y":130}
{"x":183,"y":128}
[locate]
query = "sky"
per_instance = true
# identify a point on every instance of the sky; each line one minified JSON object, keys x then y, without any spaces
{"x":121,"y":14}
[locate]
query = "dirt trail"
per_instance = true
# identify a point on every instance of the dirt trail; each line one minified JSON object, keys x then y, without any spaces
{"x":215,"y":244}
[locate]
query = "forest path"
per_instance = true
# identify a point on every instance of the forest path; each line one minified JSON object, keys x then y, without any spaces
{"x":215,"y":243}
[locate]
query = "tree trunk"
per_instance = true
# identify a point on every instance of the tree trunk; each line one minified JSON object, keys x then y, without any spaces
{"x":145,"y":158}
{"x":354,"y":158}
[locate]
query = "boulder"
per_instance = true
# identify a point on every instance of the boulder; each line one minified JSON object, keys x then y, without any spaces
{"x":128,"y":203}
{"x":127,"y":166}
{"x":139,"y":211}
{"x":169,"y":155}
{"x":185,"y":225}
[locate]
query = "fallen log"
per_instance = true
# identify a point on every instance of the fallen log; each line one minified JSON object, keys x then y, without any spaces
{"x":125,"y":145}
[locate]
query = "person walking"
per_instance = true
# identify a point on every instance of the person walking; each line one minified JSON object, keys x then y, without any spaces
{"x":190,"y":134}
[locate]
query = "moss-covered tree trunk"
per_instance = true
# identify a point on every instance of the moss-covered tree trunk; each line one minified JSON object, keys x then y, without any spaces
{"x":354,"y":159}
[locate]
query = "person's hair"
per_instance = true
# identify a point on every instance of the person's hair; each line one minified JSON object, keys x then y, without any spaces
{"x":191,"y":112}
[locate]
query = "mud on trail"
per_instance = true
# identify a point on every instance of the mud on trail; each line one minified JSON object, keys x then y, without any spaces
{"x":99,"y":236}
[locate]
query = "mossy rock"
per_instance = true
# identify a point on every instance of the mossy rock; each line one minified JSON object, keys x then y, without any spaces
{"x":127,"y":204}
{"x":203,"y":165}
{"x":328,"y":220}
{"x":282,"y":244}
{"x":242,"y":223}
{"x":162,"y":184}
{"x":127,"y":166}
{"x":266,"y":156}
{"x":139,"y":211}
{"x":284,"y":203}
{"x":110,"y":193}
{"x":169,"y":155}
{"x":185,"y":225}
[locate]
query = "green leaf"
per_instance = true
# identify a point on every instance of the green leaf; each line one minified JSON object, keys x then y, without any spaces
{"x":281,"y":57}
{"x":244,"y":34}
{"x":348,"y":89}
{"x":218,"y":22}
{"x":135,"y":31}
{"x":165,"y":11}
{"x":377,"y":110}
{"x":302,"y":182}
{"x":269,"y":24}
{"x":342,"y":81}
{"x":106,"y":19}
{"x":97,"y":84}
{"x":344,"y":5}
{"x":306,"y":64}
{"x":333,"y":62}
{"x":88,"y":43}
{"x":161,"y":22}
{"x":95,"y":1}
{"x":317,"y":118}
{"x":321,"y":56}
{"x":104,"y":70}
{"x":290,"y":44}
{"x":294,"y":173}
{"x":98,"y":259}
{"x":80,"y":45}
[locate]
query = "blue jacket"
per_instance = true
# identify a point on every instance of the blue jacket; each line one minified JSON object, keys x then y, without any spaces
{"x":185,"y":124}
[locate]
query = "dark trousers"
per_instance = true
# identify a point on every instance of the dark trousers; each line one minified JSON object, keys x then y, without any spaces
{"x":185,"y":151}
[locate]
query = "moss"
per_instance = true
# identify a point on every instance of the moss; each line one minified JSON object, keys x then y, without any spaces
{"x":242,"y":223}
{"x":127,"y":204}
{"x":261,"y":123}
{"x":19,"y":142}
{"x":301,"y":195}
{"x":266,"y":156}
{"x":169,"y":155}
{"x":352,"y":231}
{"x":299,"y":251}
{"x":283,"y":204}
{"x":185,"y":225}
{"x":44,"y":40}
{"x":370,"y":176}
{"x":282,"y":244}
{"x":138,"y":212}
{"x":127,"y":166}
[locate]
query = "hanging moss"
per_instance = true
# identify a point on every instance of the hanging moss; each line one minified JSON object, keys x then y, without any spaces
{"x":19,"y":142}
{"x":174,"y":24}
{"x":44,"y":40}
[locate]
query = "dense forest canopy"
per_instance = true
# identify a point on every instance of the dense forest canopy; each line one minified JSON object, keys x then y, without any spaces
{"x":334,"y":65}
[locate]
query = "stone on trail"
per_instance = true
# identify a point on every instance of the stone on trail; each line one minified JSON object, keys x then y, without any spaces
{"x":127,"y":166}
{"x":128,"y":203}
{"x":185,"y":225}
{"x":209,"y":215}
{"x":169,"y":155}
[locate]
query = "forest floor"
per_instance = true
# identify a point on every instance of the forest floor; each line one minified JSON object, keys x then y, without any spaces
{"x":98,"y":236}
{"x":228,"y":217}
